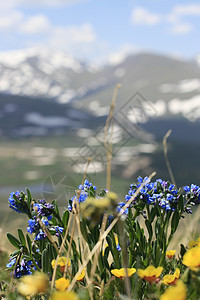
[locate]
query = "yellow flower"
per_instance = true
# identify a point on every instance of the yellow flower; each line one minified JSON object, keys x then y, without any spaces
{"x":194,"y":243}
{"x":33,"y":284}
{"x":191,"y":258}
{"x":171,"y":279}
{"x":62,"y":284}
{"x":81,"y":276}
{"x":177,"y":292}
{"x":64,"y":296}
{"x":150,"y":274}
{"x":121,"y":273}
{"x":170,"y":253}
{"x":62,"y":262}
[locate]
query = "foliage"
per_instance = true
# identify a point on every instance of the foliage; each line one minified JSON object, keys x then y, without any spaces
{"x":116,"y":249}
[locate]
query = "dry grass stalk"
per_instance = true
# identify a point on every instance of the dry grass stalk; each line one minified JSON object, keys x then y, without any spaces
{"x":98,"y":244}
{"x":166,"y":156}
{"x":75,"y":211}
{"x":108,"y":148}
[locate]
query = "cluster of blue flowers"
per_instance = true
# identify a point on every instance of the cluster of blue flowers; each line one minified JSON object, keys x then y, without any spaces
{"x":17,"y":202}
{"x":45,"y":211}
{"x":83,"y":195}
{"x":163,"y":194}
{"x":192,"y":193}
{"x":43,"y":208}
{"x":34,"y":227}
{"x":159,"y":192}
{"x":37,"y":211}
{"x":40,"y":209}
{"x":21,"y":268}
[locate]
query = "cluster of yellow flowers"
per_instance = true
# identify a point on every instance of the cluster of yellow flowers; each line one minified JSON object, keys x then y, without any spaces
{"x":38,"y":282}
{"x":150,"y":274}
{"x":178,"y":290}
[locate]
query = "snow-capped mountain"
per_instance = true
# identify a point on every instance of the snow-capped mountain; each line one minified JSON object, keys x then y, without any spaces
{"x":43,"y":73}
{"x":168,"y":88}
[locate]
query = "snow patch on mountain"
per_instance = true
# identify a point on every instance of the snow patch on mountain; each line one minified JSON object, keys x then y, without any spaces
{"x":40,"y":72}
{"x":183,"y":86}
{"x":46,"y":121}
{"x":189,"y":108}
{"x":48,"y":60}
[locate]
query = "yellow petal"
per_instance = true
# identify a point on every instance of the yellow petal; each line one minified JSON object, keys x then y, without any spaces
{"x":191,"y":258}
{"x":168,"y":279}
{"x":62,"y":284}
{"x":150,"y":271}
{"x":62,"y":261}
{"x":81,"y":276}
{"x":177,"y":273}
{"x":170,"y":253}
{"x":177,"y":292}
{"x":122,"y":273}
{"x":64,"y":296}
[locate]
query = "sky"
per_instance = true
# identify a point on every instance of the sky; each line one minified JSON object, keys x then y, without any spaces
{"x":102,"y":30}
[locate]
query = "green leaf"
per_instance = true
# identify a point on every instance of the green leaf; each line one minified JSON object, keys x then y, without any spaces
{"x":27,"y":257}
{"x":181,"y":203}
{"x":42,"y":245}
{"x":175,"y":221}
{"x":149,"y":228}
{"x":158,"y":229}
{"x":45,"y":261}
{"x":29,"y":198}
{"x":101,"y":262}
{"x":21,"y":237}
{"x":29,"y":243}
{"x":15,"y":253}
{"x":105,"y":258}
{"x":85,"y":234}
{"x":114,"y":251}
{"x":15,"y":242}
{"x":65,"y":218}
{"x":96,"y":233}
{"x":138,"y":231}
{"x":156,"y":253}
{"x":154,"y":212}
{"x":183,"y":250}
{"x":54,"y":202}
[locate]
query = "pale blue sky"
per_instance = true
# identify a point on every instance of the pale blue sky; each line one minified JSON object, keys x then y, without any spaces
{"x":102,"y":29}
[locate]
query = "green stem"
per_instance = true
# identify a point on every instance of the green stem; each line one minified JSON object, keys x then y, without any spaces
{"x":38,"y":269}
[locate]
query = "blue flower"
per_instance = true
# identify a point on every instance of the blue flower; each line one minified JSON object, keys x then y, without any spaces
{"x":33,"y":225}
{"x":17,"y":202}
{"x":11,"y":263}
{"x":59,"y":229}
{"x":23,"y":268}
{"x":40,"y":236}
{"x":45,"y":209}
{"x":45,"y":222}
{"x":192,"y":196}
{"x":127,"y":197}
{"x":120,"y":208}
{"x":118,"y":247}
{"x":82,"y":195}
{"x":186,"y":188}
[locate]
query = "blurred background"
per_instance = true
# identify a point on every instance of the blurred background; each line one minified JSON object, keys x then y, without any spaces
{"x":60,"y":61}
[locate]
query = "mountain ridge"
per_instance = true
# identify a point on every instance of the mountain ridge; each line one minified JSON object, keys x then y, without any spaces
{"x":169,"y":86}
